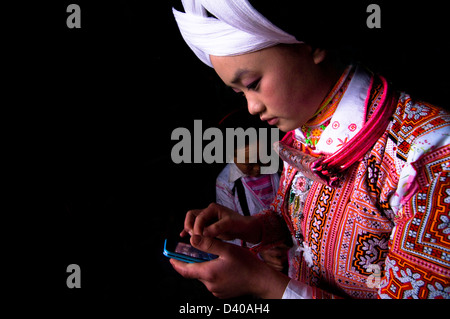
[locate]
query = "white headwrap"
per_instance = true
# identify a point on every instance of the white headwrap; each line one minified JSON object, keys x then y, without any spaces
{"x":237,"y":28}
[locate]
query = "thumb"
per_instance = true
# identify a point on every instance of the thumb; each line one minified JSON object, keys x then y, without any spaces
{"x":208,"y":244}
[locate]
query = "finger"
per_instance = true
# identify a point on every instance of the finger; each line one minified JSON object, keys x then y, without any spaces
{"x":200,"y":271}
{"x":275,"y":266}
{"x":210,"y":245}
{"x":189,"y":222}
{"x":183,"y":233}
{"x":185,"y":269}
{"x":206,"y":217}
{"x":217,"y":229}
{"x":275,"y":253}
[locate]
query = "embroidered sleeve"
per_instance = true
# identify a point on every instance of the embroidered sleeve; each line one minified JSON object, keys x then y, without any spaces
{"x":418,"y":261}
{"x":299,"y":290}
{"x":417,"y":129}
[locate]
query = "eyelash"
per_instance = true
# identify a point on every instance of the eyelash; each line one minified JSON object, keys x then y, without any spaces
{"x":254,"y":85}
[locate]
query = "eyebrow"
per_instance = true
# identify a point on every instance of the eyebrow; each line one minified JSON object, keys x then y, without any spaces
{"x":238,"y":75}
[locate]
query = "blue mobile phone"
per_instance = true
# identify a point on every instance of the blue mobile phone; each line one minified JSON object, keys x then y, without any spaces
{"x":185,"y":252}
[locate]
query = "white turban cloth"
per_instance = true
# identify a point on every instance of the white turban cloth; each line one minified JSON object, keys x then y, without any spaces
{"x":236,"y":28}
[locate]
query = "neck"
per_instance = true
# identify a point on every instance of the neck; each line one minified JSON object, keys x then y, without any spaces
{"x":312,"y":130}
{"x":336,"y":79}
{"x":333,"y":70}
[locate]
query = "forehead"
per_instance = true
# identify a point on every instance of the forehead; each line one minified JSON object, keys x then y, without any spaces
{"x":229,"y":68}
{"x":247,"y":154}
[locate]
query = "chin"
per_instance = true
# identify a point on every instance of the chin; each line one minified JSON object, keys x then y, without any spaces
{"x":285,"y":128}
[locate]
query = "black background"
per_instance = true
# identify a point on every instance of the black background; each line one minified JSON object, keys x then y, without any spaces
{"x":89,"y":119}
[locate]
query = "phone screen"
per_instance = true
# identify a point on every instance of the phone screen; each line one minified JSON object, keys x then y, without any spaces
{"x":188,"y":250}
{"x":185,"y":252}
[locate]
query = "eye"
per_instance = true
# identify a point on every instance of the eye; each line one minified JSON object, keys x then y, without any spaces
{"x":253,"y":85}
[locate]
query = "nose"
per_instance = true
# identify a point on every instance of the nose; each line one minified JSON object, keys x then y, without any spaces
{"x":255,"y":106}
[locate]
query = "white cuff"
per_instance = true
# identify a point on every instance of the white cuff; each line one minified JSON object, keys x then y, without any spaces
{"x":297,"y":290}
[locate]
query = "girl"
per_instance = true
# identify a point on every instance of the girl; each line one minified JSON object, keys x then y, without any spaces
{"x":365,"y":189}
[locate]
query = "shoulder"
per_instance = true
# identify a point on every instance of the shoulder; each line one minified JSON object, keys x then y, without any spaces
{"x":223,"y":179}
{"x":224,"y":173}
{"x":418,"y":127}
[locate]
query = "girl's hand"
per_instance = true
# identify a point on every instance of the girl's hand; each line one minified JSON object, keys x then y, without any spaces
{"x":276,"y":257}
{"x":221,"y":222}
{"x":235,"y":272}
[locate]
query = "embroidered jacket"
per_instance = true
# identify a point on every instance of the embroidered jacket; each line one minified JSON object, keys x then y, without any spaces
{"x":383,"y":229}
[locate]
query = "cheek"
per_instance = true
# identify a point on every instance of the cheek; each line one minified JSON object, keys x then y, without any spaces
{"x":254,"y":170}
{"x":291,"y":96}
{"x":276,"y":97}
{"x":284,"y":100}
{"x":292,"y":106}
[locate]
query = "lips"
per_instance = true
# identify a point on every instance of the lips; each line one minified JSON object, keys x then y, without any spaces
{"x":270,"y":120}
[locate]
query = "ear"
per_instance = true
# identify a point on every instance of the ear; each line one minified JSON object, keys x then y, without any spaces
{"x":319,"y":55}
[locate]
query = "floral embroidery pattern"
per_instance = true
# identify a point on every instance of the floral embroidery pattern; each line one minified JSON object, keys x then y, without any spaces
{"x":415,"y":111}
{"x":297,"y":197}
{"x":438,"y":291}
{"x":445,"y":225}
{"x":301,"y":184}
{"x":313,"y":134}
{"x":412,"y":283}
{"x":371,"y":249}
